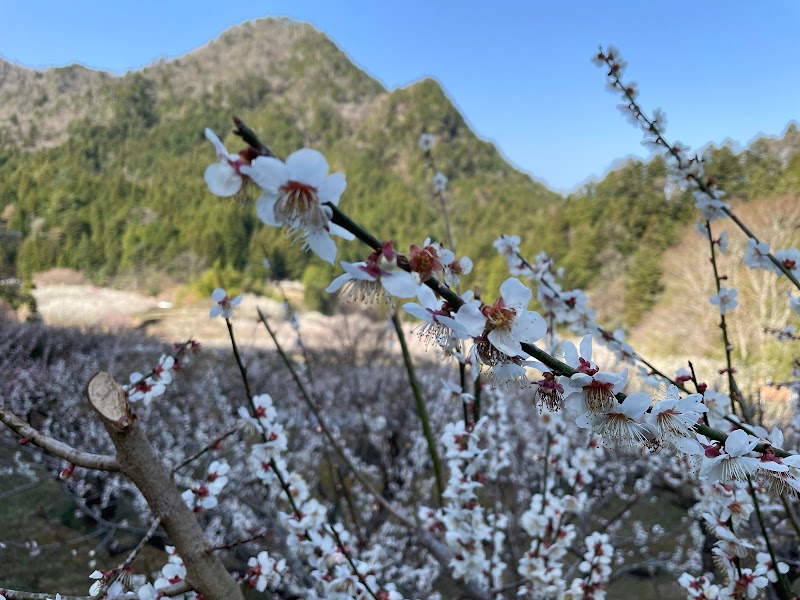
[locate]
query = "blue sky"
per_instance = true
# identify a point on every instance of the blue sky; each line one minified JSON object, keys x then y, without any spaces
{"x":519,"y":71}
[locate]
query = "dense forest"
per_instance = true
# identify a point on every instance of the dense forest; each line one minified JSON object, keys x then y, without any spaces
{"x":104,"y":174}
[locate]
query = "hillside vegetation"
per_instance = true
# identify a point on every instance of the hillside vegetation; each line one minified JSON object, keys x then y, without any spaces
{"x":104,"y":174}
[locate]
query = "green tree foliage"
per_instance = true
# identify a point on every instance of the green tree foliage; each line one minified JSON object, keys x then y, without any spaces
{"x":124,"y":193}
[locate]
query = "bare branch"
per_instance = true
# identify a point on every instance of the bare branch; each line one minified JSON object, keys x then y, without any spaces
{"x":169,"y":592}
{"x":57,"y":448}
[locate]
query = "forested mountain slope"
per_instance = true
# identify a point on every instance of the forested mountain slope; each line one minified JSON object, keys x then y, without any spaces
{"x":104,"y":174}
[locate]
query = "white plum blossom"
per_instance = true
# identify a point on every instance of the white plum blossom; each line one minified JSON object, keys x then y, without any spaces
{"x":225,"y":178}
{"x":162,"y":372}
{"x":675,"y":417}
{"x":378,"y":276}
{"x":731,"y":461}
{"x":439,"y":182}
{"x":426,"y":141}
{"x":204,"y":495}
{"x":265,"y":412}
{"x":429,"y":259}
{"x":725,"y":299}
{"x":115,"y":589}
{"x":790,"y":259}
{"x":710,"y":208}
{"x":508,"y":323}
{"x":622,"y":425}
{"x":455,"y":270}
{"x":589,"y":389}
{"x":172,"y":573}
{"x":224,"y":305}
{"x":438,"y":324}
{"x":294,"y":194}
{"x":264,"y":571}
{"x":766,"y":567}
{"x":508,"y":246}
{"x":756,"y":255}
{"x":154,"y":385}
{"x":143,"y":388}
{"x":701,"y":587}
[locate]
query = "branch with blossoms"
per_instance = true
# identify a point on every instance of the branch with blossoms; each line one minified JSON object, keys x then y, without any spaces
{"x":690,"y":169}
{"x":503,"y":334}
{"x":297,"y":206}
{"x":569,"y":307}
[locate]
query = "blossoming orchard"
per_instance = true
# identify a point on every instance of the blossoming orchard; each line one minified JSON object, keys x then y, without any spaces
{"x":535,"y":469}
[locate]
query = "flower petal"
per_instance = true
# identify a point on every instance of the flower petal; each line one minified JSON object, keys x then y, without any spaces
{"x":635,"y":405}
{"x":322,"y":245}
{"x":218,"y":145}
{"x":471,"y":318}
{"x":586,"y":347}
{"x":400,"y":284}
{"x":571,"y":354}
{"x":331,"y":189}
{"x":739,"y":443}
{"x":335,"y":229}
{"x":515,"y":293}
{"x":529,"y":327}
{"x":265,"y":209}
{"x":222,"y":179}
{"x":268,"y":172}
{"x":505,"y":342}
{"x":355,"y":271}
{"x":307,"y":166}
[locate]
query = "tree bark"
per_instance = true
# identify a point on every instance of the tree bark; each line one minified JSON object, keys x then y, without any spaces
{"x":140,"y":462}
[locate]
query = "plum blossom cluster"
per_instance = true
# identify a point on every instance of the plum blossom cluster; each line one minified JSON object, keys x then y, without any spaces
{"x":203,"y":496}
{"x":377,"y":277}
{"x":726,"y":511}
{"x":264,"y":572}
{"x":559,"y":307}
{"x":552,"y":537}
{"x":146,"y":388}
{"x":110,"y":584}
{"x":172,"y":573}
{"x":294,"y":193}
{"x":497,"y":331}
{"x":381,"y":277}
{"x":322,"y":546}
{"x":463,"y":520}
{"x":736,"y":462}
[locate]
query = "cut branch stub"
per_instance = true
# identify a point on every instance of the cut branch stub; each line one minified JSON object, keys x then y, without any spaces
{"x":109,"y":400}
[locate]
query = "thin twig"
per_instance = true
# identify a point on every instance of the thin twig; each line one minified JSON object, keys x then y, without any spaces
{"x":422,"y":410}
{"x":211,"y":445}
{"x":120,"y":569}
